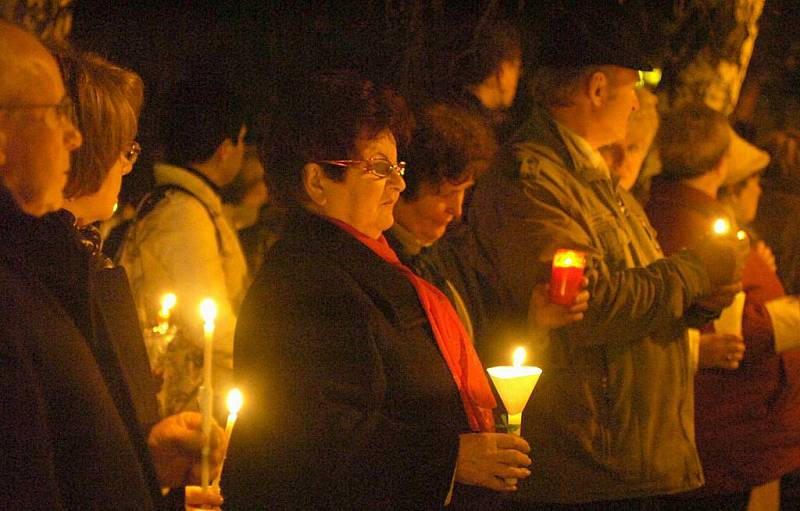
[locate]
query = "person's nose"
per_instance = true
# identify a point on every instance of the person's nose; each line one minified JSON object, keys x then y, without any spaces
{"x":455,"y":205}
{"x":635,"y":105}
{"x":72,"y":137}
{"x":397,"y":181}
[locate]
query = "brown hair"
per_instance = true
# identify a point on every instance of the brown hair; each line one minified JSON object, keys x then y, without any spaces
{"x":493,"y":43}
{"x":692,"y":140}
{"x":107,"y":100}
{"x":448,"y":144}
{"x":321,"y":119}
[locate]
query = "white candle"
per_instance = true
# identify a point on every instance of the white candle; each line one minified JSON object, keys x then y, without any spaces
{"x":515,"y":384}
{"x":208,"y":309}
{"x":234,"y":402}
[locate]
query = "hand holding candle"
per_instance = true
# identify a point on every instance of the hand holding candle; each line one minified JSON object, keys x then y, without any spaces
{"x":208,"y":310}
{"x":566,"y":276}
{"x":720,"y":252}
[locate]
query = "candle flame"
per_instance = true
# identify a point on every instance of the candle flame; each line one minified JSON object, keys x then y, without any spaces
{"x":721,"y":226}
{"x":569,"y":259}
{"x":741,"y":235}
{"x":208,"y":309}
{"x":519,"y":357}
{"x":234,"y":401}
{"x":168,"y":301}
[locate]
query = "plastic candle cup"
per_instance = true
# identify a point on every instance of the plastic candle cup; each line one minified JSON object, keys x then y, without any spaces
{"x":515,"y":384}
{"x":567,"y":275}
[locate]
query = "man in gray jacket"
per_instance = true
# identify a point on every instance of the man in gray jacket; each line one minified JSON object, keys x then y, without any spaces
{"x":611,"y":421}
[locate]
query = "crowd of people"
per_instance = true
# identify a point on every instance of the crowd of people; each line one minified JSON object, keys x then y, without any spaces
{"x":370,"y":256}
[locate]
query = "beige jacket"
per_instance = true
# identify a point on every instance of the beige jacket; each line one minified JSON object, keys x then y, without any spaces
{"x":612,"y":415}
{"x":188,"y":248}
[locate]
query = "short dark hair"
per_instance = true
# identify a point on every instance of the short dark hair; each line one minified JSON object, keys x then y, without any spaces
{"x":554,"y":87}
{"x":107,"y":101}
{"x":450,"y":144}
{"x":321,"y":119}
{"x":493,"y":43}
{"x":196,"y":116}
{"x":691,"y":141}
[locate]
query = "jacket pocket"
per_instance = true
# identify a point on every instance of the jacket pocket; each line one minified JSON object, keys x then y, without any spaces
{"x":611,"y":238}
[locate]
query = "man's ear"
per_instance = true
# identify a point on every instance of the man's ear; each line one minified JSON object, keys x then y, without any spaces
{"x":314,"y":183}
{"x":598,"y":88}
{"x":224,"y":150}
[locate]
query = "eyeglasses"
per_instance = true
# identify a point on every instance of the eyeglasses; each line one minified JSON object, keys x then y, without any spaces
{"x":132,"y":154}
{"x":377,"y":167}
{"x":65,"y":109}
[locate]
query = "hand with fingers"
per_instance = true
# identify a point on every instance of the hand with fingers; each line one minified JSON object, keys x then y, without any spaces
{"x":721,"y":351}
{"x":197,"y":499}
{"x":492,"y":460}
{"x":175,"y":445}
{"x":545,"y":315}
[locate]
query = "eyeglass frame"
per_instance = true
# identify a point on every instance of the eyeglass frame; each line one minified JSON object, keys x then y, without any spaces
{"x":399,"y":167}
{"x":65,"y":109}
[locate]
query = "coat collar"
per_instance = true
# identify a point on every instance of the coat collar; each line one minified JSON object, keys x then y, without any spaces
{"x":388,"y":288}
{"x":189,"y":179}
{"x":542,"y":137}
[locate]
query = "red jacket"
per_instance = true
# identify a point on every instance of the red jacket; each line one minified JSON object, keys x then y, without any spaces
{"x":747,"y":421}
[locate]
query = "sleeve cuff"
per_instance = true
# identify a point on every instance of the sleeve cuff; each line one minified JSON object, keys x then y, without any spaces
{"x":785,"y":315}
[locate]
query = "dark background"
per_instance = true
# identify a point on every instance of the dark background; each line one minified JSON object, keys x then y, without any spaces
{"x":260,"y":44}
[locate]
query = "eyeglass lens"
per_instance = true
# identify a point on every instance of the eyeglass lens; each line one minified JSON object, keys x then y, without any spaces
{"x":66,"y":110}
{"x":383,"y":168}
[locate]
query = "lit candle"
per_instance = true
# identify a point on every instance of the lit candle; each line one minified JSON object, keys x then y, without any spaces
{"x":741,"y":235}
{"x":168,"y":301}
{"x":515,"y":385}
{"x":234,"y":402}
{"x":721,"y":226}
{"x":208,"y":309}
{"x":567,"y":275}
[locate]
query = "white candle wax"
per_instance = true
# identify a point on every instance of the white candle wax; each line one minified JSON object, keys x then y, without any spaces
{"x":208,"y":310}
{"x":234,"y":402}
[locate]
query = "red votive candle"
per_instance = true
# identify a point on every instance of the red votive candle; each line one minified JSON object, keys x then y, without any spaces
{"x":565,"y":280}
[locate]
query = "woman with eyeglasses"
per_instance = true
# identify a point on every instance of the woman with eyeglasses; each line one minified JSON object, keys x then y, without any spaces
{"x":105,"y":102}
{"x":363,"y":390}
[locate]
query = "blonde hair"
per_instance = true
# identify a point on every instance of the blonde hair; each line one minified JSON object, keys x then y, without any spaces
{"x":107,"y":100}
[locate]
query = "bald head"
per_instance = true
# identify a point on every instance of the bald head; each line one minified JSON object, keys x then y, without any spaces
{"x":23,"y":61}
{"x":36,"y":136}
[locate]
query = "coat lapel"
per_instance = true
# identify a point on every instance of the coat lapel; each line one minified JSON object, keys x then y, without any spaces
{"x":115,"y":309}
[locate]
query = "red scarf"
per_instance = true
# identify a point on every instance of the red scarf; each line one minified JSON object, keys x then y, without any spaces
{"x":451,"y":337}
